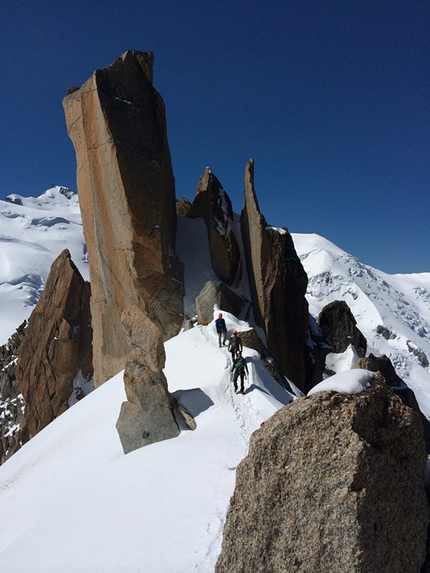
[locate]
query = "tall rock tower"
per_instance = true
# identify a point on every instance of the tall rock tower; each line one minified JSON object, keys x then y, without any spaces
{"x":117,"y":123}
{"x":278,"y":286}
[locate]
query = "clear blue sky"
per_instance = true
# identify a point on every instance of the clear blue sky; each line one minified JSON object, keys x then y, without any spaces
{"x":331,"y":99}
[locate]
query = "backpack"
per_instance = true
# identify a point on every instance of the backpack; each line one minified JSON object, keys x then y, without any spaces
{"x":239,"y":364}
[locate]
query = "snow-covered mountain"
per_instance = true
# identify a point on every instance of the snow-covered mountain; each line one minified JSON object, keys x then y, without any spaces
{"x":33,"y":232}
{"x":392,"y":311}
{"x":70,"y":499}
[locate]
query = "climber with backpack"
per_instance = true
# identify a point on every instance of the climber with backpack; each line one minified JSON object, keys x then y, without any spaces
{"x":234,"y":345}
{"x":221,"y":329}
{"x":240,"y":369}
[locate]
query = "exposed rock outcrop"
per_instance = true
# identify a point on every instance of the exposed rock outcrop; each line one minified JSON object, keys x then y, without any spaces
{"x":220,"y":295}
{"x":13,"y":429}
{"x":251,"y":339}
{"x":213,"y":204}
{"x":117,"y":123}
{"x":147,"y":416}
{"x":56,"y":349}
{"x":183,"y":206}
{"x":278,"y":286}
{"x":340,"y":328}
{"x":332,"y":482}
{"x":384,"y":365}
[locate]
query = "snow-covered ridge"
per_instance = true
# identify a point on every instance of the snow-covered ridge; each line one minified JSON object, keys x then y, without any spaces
{"x":72,"y":501}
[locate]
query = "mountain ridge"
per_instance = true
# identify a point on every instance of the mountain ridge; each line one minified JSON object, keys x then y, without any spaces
{"x":183,"y":486}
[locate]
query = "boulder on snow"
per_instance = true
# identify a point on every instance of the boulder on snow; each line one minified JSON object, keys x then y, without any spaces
{"x":383,"y":365}
{"x":332,"y":482}
{"x":148,"y":415}
{"x":340,"y":328}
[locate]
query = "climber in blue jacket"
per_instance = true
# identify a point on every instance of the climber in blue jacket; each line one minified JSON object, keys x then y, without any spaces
{"x":221,"y":329}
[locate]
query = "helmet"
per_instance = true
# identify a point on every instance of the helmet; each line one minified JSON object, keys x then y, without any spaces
{"x":234,"y":331}
{"x":219,"y":314}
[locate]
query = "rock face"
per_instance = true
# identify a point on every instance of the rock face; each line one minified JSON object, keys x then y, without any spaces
{"x":117,"y":123}
{"x":56,"y":348}
{"x":278,"y":286}
{"x":382,"y":364}
{"x":332,"y":482}
{"x":222,"y":296}
{"x":13,"y":429}
{"x":213,"y":204}
{"x":340,"y":328}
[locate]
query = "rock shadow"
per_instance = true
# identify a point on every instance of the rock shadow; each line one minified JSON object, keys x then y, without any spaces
{"x":194,"y":400}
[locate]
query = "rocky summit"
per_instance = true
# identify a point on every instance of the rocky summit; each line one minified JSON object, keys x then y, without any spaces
{"x":332,"y":482}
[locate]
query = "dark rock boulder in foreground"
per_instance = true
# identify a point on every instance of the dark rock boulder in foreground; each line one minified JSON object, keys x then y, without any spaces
{"x":57,"y":345}
{"x":278,"y":286}
{"x":332,"y":483}
{"x":340,"y":328}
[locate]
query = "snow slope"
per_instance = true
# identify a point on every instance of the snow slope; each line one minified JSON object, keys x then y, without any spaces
{"x":71,"y":501}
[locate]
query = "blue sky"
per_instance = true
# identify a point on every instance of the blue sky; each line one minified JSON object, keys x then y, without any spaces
{"x":330,"y":98}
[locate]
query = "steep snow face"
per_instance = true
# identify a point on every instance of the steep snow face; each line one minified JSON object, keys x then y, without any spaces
{"x":392,"y":311}
{"x":33,"y":232}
